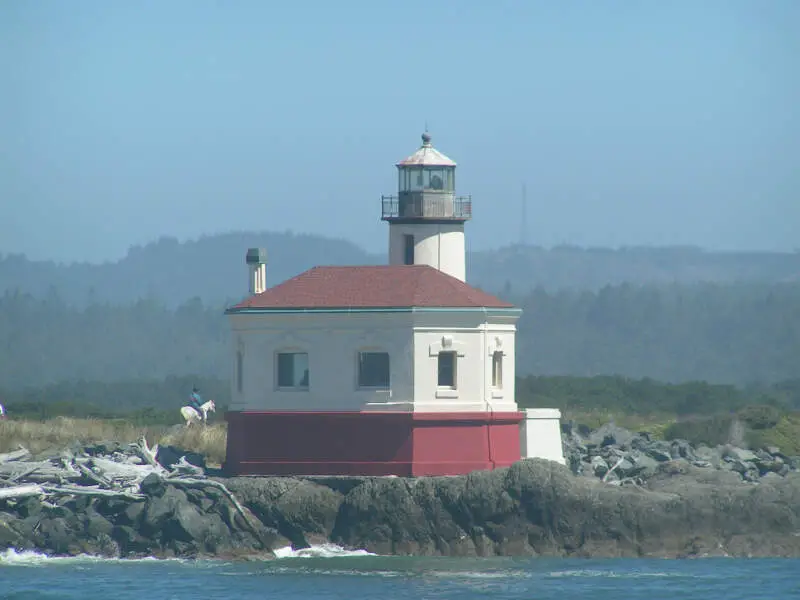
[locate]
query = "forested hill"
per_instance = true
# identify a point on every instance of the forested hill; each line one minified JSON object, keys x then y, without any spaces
{"x":733,"y":333}
{"x":212,"y":268}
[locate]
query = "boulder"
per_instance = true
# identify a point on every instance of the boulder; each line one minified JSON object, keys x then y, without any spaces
{"x":169,"y":456}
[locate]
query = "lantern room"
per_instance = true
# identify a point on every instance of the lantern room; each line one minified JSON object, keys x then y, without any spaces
{"x":426,"y":188}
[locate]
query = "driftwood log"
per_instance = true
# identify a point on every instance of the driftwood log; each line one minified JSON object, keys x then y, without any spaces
{"x":119,"y":475}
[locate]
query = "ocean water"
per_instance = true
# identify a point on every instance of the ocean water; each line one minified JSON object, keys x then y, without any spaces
{"x":330,"y":573}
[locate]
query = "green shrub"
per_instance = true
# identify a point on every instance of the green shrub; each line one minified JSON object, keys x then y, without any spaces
{"x":711,"y":431}
{"x":785,"y":435}
{"x":760,"y":416}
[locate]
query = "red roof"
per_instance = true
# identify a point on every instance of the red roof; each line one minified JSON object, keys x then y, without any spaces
{"x":380,"y":286}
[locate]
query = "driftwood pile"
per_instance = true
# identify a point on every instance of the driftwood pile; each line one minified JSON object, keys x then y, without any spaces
{"x":78,"y":473}
{"x":118,"y":474}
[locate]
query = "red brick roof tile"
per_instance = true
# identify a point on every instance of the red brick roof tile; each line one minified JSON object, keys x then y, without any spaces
{"x":379,"y":286}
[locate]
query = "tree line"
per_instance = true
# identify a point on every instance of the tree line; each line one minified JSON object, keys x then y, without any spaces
{"x":734,"y":334}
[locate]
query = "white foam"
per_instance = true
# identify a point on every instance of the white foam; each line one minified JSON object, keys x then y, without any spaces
{"x":321,"y":551}
{"x":31,"y":558}
{"x":613,"y":574}
{"x":477,"y":574}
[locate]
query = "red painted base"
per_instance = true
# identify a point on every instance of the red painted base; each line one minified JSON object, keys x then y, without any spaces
{"x":351,"y":443}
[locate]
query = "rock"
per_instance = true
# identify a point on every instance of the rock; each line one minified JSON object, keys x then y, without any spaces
{"x":658,"y":454}
{"x":769,"y":465}
{"x":153,"y":485}
{"x":54,"y":535}
{"x":159,"y":509}
{"x":103,"y":448}
{"x":300,"y":510}
{"x":712,"y":456}
{"x":96,"y":525}
{"x":682,"y":449}
{"x":169,"y":456}
{"x":599,"y":466}
{"x":739,"y":454}
{"x":609,"y":434}
{"x":643,"y":466}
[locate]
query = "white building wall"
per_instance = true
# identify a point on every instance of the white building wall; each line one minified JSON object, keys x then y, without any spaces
{"x":474,"y":344}
{"x":332,"y":342}
{"x":441,"y":246}
{"x":413,"y":341}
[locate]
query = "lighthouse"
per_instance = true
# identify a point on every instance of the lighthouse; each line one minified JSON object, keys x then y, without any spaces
{"x":399,"y":369}
{"x":426,"y":218}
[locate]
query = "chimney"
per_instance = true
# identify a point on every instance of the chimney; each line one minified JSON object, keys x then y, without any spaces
{"x":257,"y":265}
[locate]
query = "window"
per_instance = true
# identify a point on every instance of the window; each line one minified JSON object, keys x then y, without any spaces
{"x":239,"y":370}
{"x":408,"y":249}
{"x":497,"y":370}
{"x":447,"y":369}
{"x":373,"y":369}
{"x":293,"y":370}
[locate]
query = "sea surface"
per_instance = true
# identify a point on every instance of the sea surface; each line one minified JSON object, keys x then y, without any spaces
{"x":330,"y":573}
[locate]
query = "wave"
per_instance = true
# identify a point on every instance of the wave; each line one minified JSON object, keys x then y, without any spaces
{"x":320,"y":551}
{"x":615,"y":574}
{"x":32,"y":558}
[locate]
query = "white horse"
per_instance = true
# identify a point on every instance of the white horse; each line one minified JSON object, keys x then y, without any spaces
{"x":190,"y":415}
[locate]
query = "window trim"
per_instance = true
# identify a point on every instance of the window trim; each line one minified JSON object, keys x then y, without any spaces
{"x":446,"y":343}
{"x":276,"y":362}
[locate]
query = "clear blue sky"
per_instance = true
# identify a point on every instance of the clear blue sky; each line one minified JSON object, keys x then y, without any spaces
{"x":632,"y":123}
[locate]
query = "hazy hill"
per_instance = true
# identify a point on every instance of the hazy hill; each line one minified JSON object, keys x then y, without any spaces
{"x":212,"y":268}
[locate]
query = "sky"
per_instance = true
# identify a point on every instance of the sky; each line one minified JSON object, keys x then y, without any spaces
{"x":629,"y":123}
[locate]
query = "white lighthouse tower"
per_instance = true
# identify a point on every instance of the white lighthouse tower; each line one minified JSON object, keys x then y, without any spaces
{"x":426,"y":218}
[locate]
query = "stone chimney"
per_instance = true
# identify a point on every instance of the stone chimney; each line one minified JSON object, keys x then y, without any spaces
{"x":257,"y":266}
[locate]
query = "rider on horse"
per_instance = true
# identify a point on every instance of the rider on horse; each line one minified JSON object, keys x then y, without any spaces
{"x":195,"y":401}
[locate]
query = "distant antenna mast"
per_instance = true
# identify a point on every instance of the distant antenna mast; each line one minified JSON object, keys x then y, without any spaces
{"x":523,"y":222}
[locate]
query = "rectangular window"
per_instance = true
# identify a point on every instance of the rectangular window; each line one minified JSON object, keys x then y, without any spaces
{"x":447,"y":369}
{"x":293,"y":370}
{"x":408,"y":249}
{"x":373,"y":369}
{"x":497,"y":370}
{"x":239,"y":371}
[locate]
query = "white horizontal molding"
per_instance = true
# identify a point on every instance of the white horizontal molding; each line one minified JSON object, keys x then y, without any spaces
{"x":447,"y":343}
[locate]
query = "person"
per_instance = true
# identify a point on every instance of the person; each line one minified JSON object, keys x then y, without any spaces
{"x":2,"y":412}
{"x":195,"y":401}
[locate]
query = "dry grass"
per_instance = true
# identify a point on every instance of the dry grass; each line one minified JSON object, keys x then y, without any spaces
{"x":62,"y":432}
{"x":655,"y":424}
{"x":209,"y":441}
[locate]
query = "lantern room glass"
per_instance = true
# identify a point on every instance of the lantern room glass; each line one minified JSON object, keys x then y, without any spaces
{"x":418,"y":179}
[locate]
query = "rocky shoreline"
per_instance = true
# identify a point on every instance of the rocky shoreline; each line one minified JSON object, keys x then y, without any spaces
{"x":646,"y":498}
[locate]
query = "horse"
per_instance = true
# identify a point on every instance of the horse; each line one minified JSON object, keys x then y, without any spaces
{"x":190,"y":415}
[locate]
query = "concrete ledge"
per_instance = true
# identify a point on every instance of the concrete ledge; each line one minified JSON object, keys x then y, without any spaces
{"x":540,"y":434}
{"x":542,"y":413}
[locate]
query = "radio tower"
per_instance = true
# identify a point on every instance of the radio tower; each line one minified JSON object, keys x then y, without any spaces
{"x":523,"y":222}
